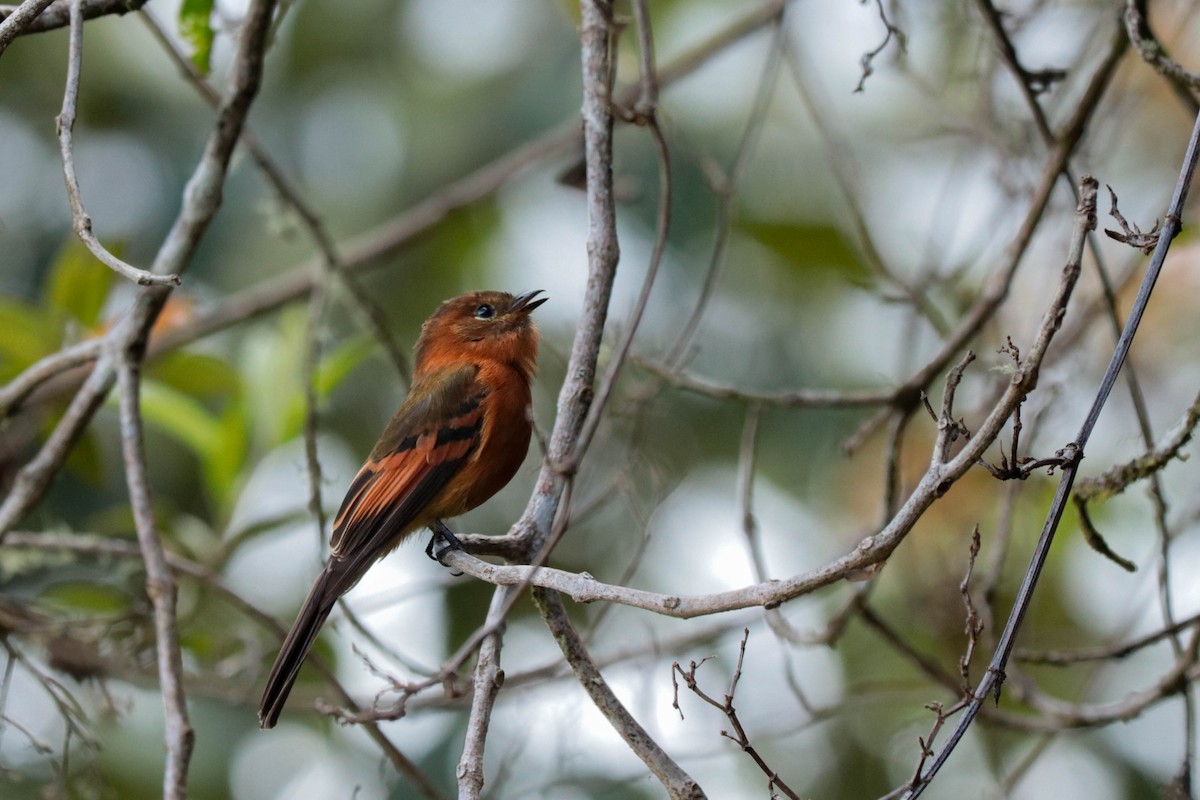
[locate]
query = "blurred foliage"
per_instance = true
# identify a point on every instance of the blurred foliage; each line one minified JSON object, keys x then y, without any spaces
{"x":195,"y":28}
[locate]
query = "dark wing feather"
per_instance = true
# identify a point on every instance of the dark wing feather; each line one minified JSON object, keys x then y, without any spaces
{"x":425,"y":444}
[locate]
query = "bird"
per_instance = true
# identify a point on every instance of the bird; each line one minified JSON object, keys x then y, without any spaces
{"x":458,"y":438}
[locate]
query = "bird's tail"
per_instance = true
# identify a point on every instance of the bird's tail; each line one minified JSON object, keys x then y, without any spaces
{"x":299,"y":641}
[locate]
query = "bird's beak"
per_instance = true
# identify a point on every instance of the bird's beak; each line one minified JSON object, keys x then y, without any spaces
{"x":525,"y":303}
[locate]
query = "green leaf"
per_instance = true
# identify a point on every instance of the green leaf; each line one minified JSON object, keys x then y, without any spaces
{"x":79,"y":284}
{"x":195,"y":26}
{"x":196,"y":374}
{"x":26,"y":334}
{"x":809,"y":247}
{"x":223,"y":464}
{"x":338,"y":364}
{"x":181,"y":417}
{"x":83,"y":596}
{"x":331,"y":371}
{"x":219,"y":441}
{"x":270,"y":366}
{"x":86,"y":459}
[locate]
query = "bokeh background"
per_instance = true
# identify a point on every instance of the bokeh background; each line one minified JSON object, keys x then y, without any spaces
{"x":799,"y":188}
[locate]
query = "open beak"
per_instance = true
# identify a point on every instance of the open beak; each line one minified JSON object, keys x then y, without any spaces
{"x":526,"y":304}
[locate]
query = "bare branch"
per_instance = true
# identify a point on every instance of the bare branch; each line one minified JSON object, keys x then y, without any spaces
{"x":726,"y":707}
{"x":1131,"y":235}
{"x":995,"y":674}
{"x":17,"y":20}
{"x":66,"y":126}
{"x":201,"y":198}
{"x":1152,"y":51}
{"x":57,"y":14}
{"x":330,"y":262}
{"x":180,"y":566}
{"x":159,"y":585}
{"x":803,"y":398}
{"x":679,"y":785}
{"x":487,"y":680}
{"x":868,"y":59}
{"x":13,"y":393}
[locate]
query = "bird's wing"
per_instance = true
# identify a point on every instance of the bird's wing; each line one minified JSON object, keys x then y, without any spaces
{"x":426,"y":443}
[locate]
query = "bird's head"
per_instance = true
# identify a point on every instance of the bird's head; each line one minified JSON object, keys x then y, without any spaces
{"x":486,"y":326}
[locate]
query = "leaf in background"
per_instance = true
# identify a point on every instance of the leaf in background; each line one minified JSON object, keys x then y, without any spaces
{"x":79,"y":284}
{"x":195,"y":26}
{"x":195,"y":374}
{"x":340,"y":362}
{"x":270,"y":364}
{"x":181,"y":417}
{"x":223,"y":463}
{"x":335,"y":366}
{"x":219,"y":441}
{"x":809,"y":247}
{"x":85,"y":596}
{"x":26,"y":334}
{"x":86,"y":459}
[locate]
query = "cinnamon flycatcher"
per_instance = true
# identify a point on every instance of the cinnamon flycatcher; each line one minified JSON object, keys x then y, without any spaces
{"x":458,"y":438}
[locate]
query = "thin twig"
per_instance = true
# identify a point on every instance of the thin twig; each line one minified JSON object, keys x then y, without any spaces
{"x":18,"y":19}
{"x":330,"y":263}
{"x":160,"y":586}
{"x":868,"y":58}
{"x":662,"y":228}
{"x":180,"y":566}
{"x":995,"y":674}
{"x":201,"y":199}
{"x":800,"y":398}
{"x":57,"y":14}
{"x":725,"y":187}
{"x":1136,"y":27}
{"x":679,"y":785}
{"x":13,"y":393}
{"x":312,"y":411}
{"x":66,"y":124}
{"x":1152,"y":51}
{"x":726,"y":707}
{"x":1064,"y":658}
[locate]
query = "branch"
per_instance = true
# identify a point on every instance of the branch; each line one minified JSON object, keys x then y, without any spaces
{"x":995,"y":673}
{"x":368,"y":249}
{"x":17,"y":20}
{"x":330,"y":263}
{"x":57,"y":14}
{"x":1063,"y":658}
{"x":180,"y":737}
{"x":726,"y":707}
{"x":868,"y":58}
{"x":1152,"y":51}
{"x":679,"y":785}
{"x":1118,"y":477}
{"x":487,"y":680}
{"x":13,"y":393}
{"x":119,"y":548}
{"x":800,"y":398}
{"x":725,"y":186}
{"x":201,"y":198}
{"x":66,"y":124}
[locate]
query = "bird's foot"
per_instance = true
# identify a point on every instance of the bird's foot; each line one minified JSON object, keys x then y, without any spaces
{"x":449,"y":543}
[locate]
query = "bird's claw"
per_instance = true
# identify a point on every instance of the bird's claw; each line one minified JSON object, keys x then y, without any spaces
{"x":450,"y":543}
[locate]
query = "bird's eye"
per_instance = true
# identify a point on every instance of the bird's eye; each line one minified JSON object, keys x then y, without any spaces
{"x":485,"y":312}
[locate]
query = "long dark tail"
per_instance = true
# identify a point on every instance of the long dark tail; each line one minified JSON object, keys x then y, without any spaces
{"x":299,"y":641}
